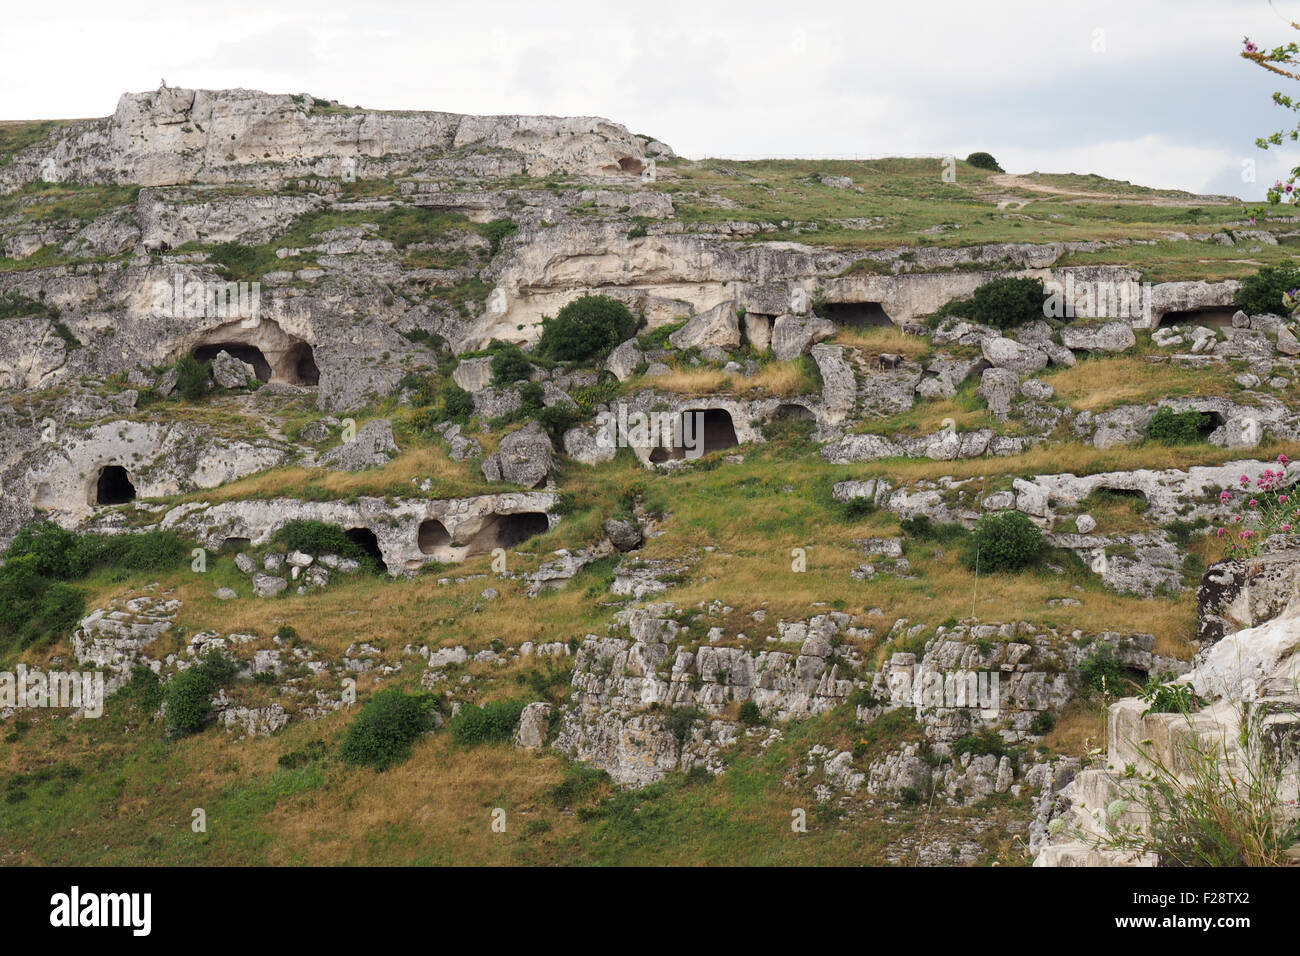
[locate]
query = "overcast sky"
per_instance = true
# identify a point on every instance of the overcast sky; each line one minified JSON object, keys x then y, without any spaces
{"x":1150,"y":91}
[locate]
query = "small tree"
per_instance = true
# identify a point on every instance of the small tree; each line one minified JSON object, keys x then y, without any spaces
{"x":981,"y":160}
{"x":1006,"y":541}
{"x":509,"y":364}
{"x":587,"y":328}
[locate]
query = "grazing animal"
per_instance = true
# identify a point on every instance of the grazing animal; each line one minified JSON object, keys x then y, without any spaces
{"x":889,"y":360}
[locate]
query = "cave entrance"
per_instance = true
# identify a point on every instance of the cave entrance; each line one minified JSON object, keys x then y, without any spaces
{"x":1210,"y":422}
{"x":704,"y":431}
{"x":858,"y":315}
{"x":368,"y":543}
{"x":504,"y":531}
{"x":432,"y":536}
{"x":245,"y":353}
{"x":631,"y":165}
{"x":790,"y":412}
{"x":1217,"y":317}
{"x":300,"y":365}
{"x":113,"y":486}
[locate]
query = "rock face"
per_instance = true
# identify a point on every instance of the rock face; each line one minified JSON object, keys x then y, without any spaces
{"x":1005,"y":353}
{"x":1234,"y":595}
{"x":219,"y":136}
{"x":372,"y":447}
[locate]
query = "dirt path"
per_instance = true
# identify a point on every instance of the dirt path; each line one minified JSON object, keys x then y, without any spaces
{"x":1017,"y":181}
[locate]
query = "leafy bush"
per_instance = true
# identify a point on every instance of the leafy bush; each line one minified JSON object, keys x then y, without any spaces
{"x":586,"y":328}
{"x":1006,"y":541}
{"x":389,"y":722}
{"x":1262,"y":293}
{"x":981,"y":744}
{"x":923,"y":528}
{"x":55,"y":553}
{"x":1164,"y":698}
{"x":144,"y":551}
{"x":1002,"y":303}
{"x":1177,"y":428}
{"x":1100,"y":673}
{"x":13,"y":304}
{"x":189,"y":702}
{"x":488,"y":724}
{"x":1043,"y":723}
{"x":509,"y":364}
{"x":457,"y":404}
{"x":192,"y":378}
{"x":318,"y":537}
{"x":982,"y":160}
{"x":496,"y":232}
{"x":750,"y":715}
{"x":558,"y":419}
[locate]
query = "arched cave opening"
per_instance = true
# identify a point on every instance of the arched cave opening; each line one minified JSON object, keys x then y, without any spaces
{"x":300,"y":365}
{"x":858,"y":315}
{"x":790,"y":412}
{"x":113,"y":486}
{"x":1216,"y":317}
{"x":504,"y":531}
{"x":368,"y":542}
{"x":245,"y":353}
{"x":432,"y":536}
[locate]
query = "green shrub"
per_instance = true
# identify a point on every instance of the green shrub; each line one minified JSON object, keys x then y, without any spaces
{"x":1100,"y":673}
{"x":55,"y":553}
{"x":509,"y":364}
{"x":189,"y":702}
{"x":496,"y":232}
{"x":155,"y":550}
{"x":382,"y":733}
{"x":457,"y":404}
{"x":1177,"y":428}
{"x":1006,"y":541}
{"x":589,"y":327}
{"x":1262,"y":293}
{"x":982,"y":160}
{"x":488,"y":724}
{"x":1002,"y":303}
{"x":922,"y":528}
{"x":984,"y":743}
{"x":558,"y":419}
{"x":192,"y":378}
{"x":750,"y":715}
{"x":1043,"y":723}
{"x":318,"y":537}
{"x":13,"y":304}
{"x":679,"y":721}
{"x":855,"y":509}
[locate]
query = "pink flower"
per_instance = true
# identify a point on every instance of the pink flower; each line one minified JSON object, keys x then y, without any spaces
{"x":1281,"y":498}
{"x":1244,"y":479}
{"x":1250,"y":47}
{"x":1225,"y":495}
{"x":1283,"y":459}
{"x":1243,"y":535}
{"x":1252,"y":502}
{"x":1221,"y":532}
{"x":1236,"y":517}
{"x":1286,"y":529}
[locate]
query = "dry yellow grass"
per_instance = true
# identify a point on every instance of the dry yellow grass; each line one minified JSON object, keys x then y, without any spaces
{"x":1097,"y":384}
{"x":780,"y":379}
{"x":418,"y":462}
{"x":882,"y":339}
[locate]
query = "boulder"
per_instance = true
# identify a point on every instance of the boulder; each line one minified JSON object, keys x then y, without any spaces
{"x":245,"y":564}
{"x":793,"y":334}
{"x":230,"y":372}
{"x":473,"y":375}
{"x":839,"y":386}
{"x":998,"y":388}
{"x":1036,"y":389}
{"x":622,"y":362}
{"x":524,"y":457}
{"x":268,"y":585}
{"x":623,"y":534}
{"x":1287,"y":343}
{"x":1109,"y":337}
{"x":373,"y":446}
{"x":1085,"y":523}
{"x":758,"y":329}
{"x":534,"y":723}
{"x":718,"y":326}
{"x":1002,"y":352}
